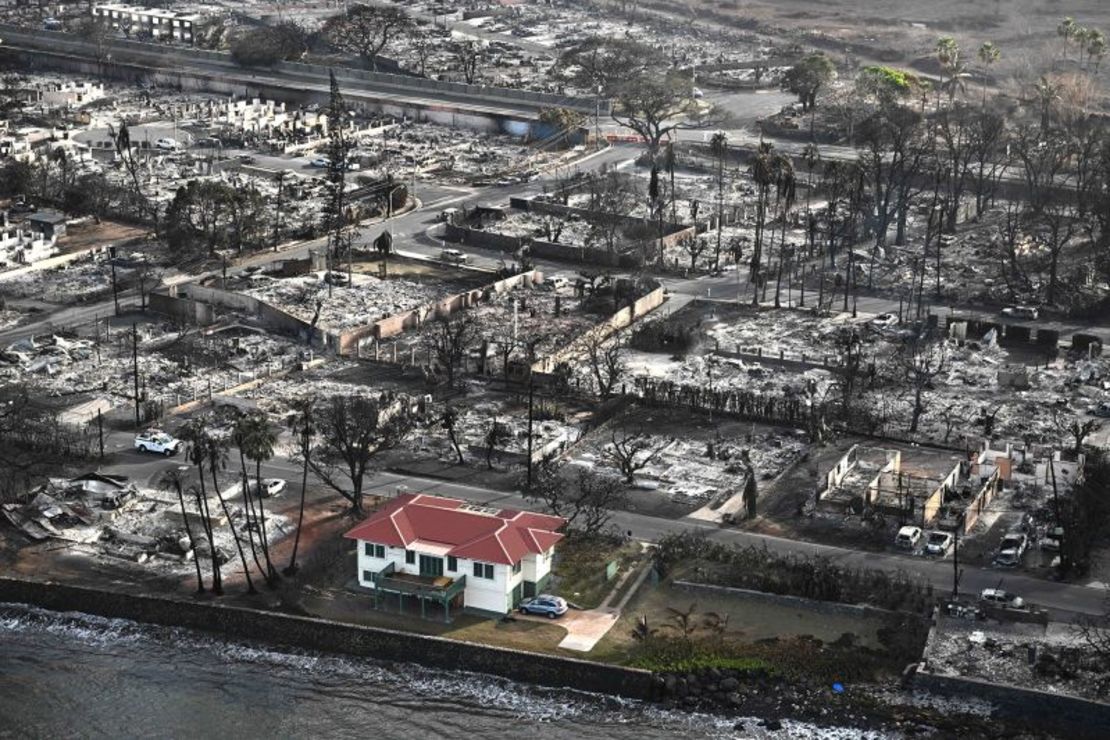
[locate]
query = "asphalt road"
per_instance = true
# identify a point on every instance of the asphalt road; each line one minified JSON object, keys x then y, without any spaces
{"x":1064,"y":600}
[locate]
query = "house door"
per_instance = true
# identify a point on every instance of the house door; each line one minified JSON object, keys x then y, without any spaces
{"x":430,"y":566}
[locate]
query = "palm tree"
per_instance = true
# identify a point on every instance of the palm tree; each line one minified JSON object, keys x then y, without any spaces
{"x":304,"y":429}
{"x":1066,"y":30}
{"x":1096,"y":47}
{"x":989,"y":53}
{"x":763,"y":176}
{"x":785,"y":194}
{"x":811,"y":155}
{"x":718,"y":144}
{"x":1047,"y":92}
{"x":195,"y":434}
{"x":173,"y":480}
{"x":948,"y":54}
{"x":258,"y":442}
{"x":217,"y":453}
{"x":238,"y":432}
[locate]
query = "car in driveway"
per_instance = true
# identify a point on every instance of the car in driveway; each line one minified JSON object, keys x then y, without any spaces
{"x":938,"y":543}
{"x":907,"y":538}
{"x":158,"y":442}
{"x":321,"y":162}
{"x":166,"y":144}
{"x":544,"y":605}
{"x":1011,"y":550}
{"x":999,"y":597}
{"x":270,"y":487}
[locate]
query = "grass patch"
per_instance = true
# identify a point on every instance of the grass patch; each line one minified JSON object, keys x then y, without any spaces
{"x":580,"y":567}
{"x":701,"y":662}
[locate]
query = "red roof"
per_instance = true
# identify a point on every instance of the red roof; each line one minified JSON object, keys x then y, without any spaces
{"x":474,"y":532}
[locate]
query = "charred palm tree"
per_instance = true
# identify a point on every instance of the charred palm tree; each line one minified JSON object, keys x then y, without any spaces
{"x":258,"y":440}
{"x":304,"y":429}
{"x":217,"y":461}
{"x":194,"y":434}
{"x":173,"y":481}
{"x":763,"y":175}
{"x":238,"y":431}
{"x":785,"y":192}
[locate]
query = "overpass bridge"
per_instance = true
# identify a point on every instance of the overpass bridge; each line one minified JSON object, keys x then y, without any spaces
{"x":482,"y":107}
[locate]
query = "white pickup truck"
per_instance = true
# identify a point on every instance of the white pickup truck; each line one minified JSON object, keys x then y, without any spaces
{"x":157,"y":442}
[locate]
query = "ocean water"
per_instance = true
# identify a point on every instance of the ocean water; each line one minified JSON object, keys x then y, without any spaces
{"x":78,"y":676}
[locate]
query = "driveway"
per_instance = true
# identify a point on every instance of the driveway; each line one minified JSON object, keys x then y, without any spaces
{"x":585,"y":628}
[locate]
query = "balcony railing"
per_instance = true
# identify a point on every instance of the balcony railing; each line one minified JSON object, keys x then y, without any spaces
{"x":387,"y":579}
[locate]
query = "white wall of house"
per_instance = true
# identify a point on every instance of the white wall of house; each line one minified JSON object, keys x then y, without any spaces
{"x":538,"y":566}
{"x":493,"y":595}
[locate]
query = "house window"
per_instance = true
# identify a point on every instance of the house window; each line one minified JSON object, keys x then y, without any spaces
{"x":368,"y":575}
{"x":410,"y":557}
{"x":483,"y":570}
{"x":516,"y":567}
{"x":452,"y":563}
{"x":374,"y":551}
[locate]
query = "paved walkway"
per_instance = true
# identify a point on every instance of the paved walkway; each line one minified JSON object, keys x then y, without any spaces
{"x":586,"y":628}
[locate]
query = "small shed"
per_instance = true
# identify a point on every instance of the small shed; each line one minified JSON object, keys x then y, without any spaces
{"x":51,"y":224}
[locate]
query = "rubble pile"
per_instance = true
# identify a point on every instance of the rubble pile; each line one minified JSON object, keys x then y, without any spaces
{"x":110,"y":516}
{"x":1050,"y":658}
{"x":339,"y":307}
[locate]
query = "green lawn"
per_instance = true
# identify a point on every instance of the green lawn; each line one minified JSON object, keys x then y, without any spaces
{"x":580,"y":567}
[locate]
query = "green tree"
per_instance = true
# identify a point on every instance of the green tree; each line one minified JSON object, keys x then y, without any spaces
{"x":808,"y":77}
{"x":989,"y":54}
{"x":1066,"y":30}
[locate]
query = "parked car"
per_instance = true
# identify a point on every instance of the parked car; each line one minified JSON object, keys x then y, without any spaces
{"x":908,"y":537}
{"x":322,"y":162}
{"x":335,"y":278}
{"x":1021,"y":312}
{"x":884,"y":319}
{"x":246,"y":159}
{"x":1012,"y":549}
{"x":998,"y":597}
{"x":938,"y":543}
{"x":454,"y":256}
{"x":698,"y":93}
{"x":545,"y":605}
{"x":270,"y":487}
{"x":557,"y":282}
{"x":166,"y":144}
{"x":158,"y":442}
{"x":1102,"y":410}
{"x":1053,"y":539}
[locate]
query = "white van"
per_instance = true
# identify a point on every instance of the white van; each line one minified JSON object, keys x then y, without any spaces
{"x":454,"y":256}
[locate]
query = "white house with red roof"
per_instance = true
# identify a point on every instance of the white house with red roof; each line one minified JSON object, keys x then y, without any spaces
{"x":455,"y":553}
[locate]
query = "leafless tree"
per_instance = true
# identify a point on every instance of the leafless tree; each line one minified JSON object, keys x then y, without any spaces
{"x":450,"y":423}
{"x":632,"y":452}
{"x":586,"y":499}
{"x":922,"y":360}
{"x":694,"y":247}
{"x":450,"y":339}
{"x":497,"y":434}
{"x":606,"y":358}
{"x":468,"y":55}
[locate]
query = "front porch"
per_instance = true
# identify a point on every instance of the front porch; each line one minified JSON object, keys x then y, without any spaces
{"x":437,"y":589}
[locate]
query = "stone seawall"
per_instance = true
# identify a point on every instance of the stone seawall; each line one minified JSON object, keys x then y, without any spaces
{"x":335,"y":637}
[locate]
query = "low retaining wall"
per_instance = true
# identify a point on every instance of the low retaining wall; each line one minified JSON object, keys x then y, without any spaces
{"x":548,"y":250}
{"x":348,"y":639}
{"x":672,"y":233}
{"x":1052,"y":713}
{"x":795,"y":602}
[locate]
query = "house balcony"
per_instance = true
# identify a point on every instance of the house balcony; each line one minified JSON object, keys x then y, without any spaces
{"x":440,"y":590}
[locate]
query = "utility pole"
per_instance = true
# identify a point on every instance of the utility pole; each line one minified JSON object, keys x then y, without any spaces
{"x":115,"y":290}
{"x":100,"y":432}
{"x":1056,"y":506}
{"x":531,"y":393}
{"x":135,"y":368}
{"x":956,"y":559}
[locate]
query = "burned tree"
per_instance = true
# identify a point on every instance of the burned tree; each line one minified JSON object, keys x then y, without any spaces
{"x":450,"y":424}
{"x":365,"y":30}
{"x":450,"y":340}
{"x":586,"y":499}
{"x":606,"y":358}
{"x":632,"y":452}
{"x":922,"y":360}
